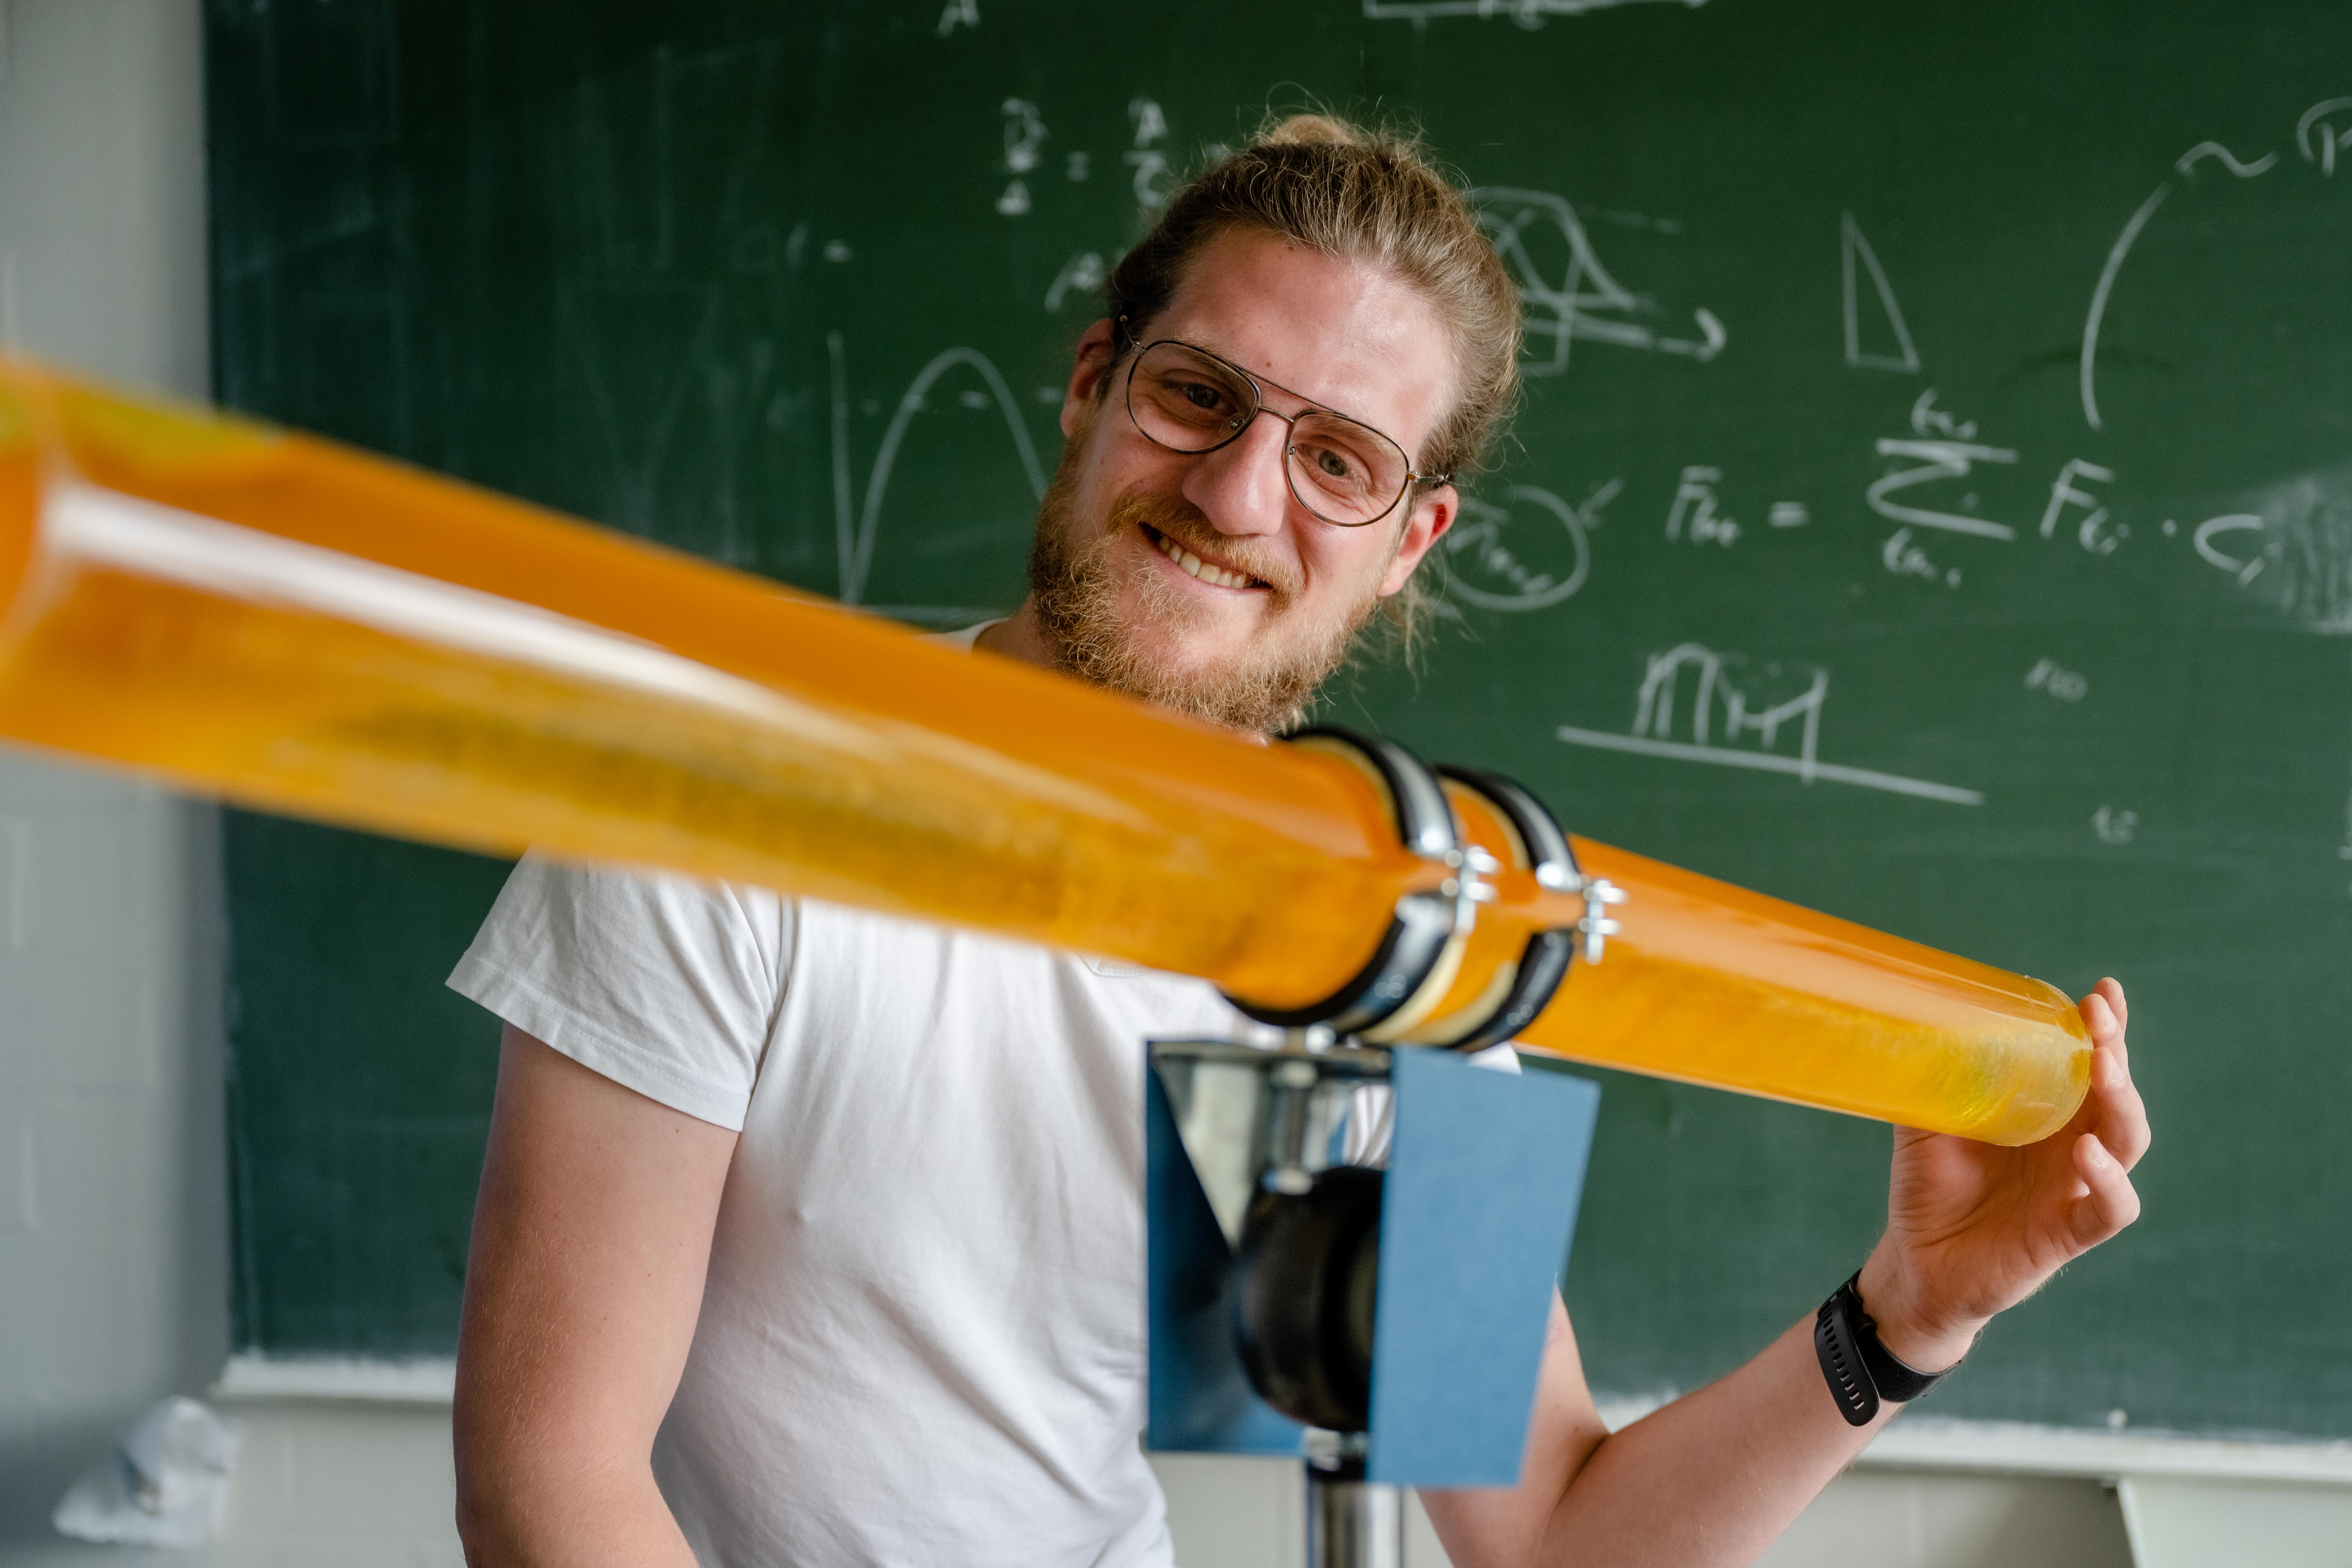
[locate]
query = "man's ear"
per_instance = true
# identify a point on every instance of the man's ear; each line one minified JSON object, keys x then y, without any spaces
{"x":1433,"y":513}
{"x":1097,"y":352}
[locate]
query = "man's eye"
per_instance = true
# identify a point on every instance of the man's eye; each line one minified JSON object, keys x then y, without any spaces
{"x":1335,"y":464}
{"x":1201,"y":395}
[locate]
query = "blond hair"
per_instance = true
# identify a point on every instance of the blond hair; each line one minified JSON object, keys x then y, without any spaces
{"x":1360,"y":194}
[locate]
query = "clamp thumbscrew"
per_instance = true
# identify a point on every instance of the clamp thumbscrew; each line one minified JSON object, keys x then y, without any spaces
{"x":1596,"y":927}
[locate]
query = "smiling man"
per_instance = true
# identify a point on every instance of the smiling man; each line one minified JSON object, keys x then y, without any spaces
{"x":1214,"y":539}
{"x":811,"y":1237}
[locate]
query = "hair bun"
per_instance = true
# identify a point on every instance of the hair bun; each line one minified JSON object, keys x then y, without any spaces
{"x":1310,"y":130}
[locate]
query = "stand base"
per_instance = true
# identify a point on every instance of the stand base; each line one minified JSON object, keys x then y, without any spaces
{"x":1352,"y":1523}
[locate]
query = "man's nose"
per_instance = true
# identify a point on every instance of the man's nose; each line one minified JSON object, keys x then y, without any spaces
{"x":1241,"y":487}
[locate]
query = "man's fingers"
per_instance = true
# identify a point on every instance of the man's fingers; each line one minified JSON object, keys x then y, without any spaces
{"x":2123,"y":1124}
{"x":2111,"y":1201}
{"x":2111,"y":992}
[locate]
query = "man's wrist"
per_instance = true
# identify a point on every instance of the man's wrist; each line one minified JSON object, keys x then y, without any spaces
{"x":1912,"y":1334}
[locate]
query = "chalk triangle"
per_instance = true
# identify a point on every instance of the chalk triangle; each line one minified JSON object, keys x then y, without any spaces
{"x":1885,"y":330}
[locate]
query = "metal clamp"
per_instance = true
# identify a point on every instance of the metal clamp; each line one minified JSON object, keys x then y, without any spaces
{"x":1424,"y":923}
{"x":1544,"y":965}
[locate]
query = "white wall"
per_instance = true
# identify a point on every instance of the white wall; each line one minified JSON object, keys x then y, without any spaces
{"x":114,"y":1229}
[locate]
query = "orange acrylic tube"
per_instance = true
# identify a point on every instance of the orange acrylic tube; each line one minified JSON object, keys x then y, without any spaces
{"x":301,"y":627}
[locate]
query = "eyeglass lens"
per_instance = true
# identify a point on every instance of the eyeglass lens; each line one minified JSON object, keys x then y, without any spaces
{"x":1341,"y":470}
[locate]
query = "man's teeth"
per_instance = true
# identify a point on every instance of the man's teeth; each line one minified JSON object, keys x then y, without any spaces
{"x":1198,"y":567}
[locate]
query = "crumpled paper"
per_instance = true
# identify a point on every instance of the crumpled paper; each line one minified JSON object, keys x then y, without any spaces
{"x":165,"y":1484}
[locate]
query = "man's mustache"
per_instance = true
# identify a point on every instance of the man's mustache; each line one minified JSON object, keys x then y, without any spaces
{"x":1183,"y":522}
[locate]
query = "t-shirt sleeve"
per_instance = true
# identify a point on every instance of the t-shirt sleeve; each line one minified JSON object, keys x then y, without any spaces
{"x":663,"y":984}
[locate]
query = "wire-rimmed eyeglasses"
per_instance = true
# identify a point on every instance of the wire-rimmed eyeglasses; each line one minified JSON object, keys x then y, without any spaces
{"x":1342,"y":470}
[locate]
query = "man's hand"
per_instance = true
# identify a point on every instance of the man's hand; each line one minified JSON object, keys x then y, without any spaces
{"x":1973,"y":1228}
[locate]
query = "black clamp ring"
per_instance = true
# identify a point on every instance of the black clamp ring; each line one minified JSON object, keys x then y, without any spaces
{"x":1545,"y":963}
{"x":1424,"y":923}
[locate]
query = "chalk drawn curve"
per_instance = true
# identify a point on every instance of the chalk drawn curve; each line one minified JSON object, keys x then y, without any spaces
{"x":854,"y":543}
{"x":1573,"y":520}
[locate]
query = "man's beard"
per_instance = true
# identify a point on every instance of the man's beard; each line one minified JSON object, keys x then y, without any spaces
{"x":1266,"y":687}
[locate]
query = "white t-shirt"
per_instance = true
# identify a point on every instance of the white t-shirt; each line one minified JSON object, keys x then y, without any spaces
{"x":922,"y":1336}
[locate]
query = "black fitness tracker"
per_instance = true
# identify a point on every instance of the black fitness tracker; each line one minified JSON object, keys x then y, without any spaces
{"x":1861,"y":1370}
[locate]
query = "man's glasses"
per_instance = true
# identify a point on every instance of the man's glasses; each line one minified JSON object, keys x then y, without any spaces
{"x":1189,"y":400}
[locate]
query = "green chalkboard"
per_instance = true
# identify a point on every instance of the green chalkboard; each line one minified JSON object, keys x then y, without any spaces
{"x":1933,"y":504}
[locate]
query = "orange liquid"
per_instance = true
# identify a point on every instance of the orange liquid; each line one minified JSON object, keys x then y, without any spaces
{"x":1714,"y":984}
{"x":302,"y":628}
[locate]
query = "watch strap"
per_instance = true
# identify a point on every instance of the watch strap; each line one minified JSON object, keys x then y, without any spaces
{"x":1862,"y":1372}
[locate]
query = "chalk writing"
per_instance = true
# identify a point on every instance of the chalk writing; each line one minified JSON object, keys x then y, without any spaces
{"x":2066,"y":685}
{"x":2188,"y":162}
{"x":1150,"y":163}
{"x":2064,"y":492}
{"x":1855,"y":248}
{"x":1695,"y":506}
{"x":1082,"y":273}
{"x":1939,"y":448}
{"x":1720,"y":706}
{"x":2213,"y":527}
{"x":1496,"y":561}
{"x":2115,"y":827}
{"x":1905,"y":557}
{"x":1024,"y":134}
{"x":2088,"y":370}
{"x":2321,"y":118}
{"x":1567,"y":293}
{"x":958,"y":14}
{"x":1789,"y":514}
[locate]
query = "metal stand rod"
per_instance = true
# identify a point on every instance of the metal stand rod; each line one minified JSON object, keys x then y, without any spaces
{"x":1352,"y":1523}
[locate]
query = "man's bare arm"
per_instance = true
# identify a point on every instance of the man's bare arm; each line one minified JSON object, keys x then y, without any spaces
{"x":592,"y":1237}
{"x":1714,"y":1477}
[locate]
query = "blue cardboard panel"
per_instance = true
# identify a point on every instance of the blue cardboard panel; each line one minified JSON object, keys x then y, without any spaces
{"x":1199,"y":1399}
{"x":1483,"y":1185}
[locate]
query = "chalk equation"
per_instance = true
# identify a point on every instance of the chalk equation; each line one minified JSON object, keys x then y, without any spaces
{"x":1024,"y":134}
{"x":1721,"y":714}
{"x":1565,"y":291}
{"x":1529,"y":552}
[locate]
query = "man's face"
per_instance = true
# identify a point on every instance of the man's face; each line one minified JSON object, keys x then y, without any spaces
{"x":1277,"y":593}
